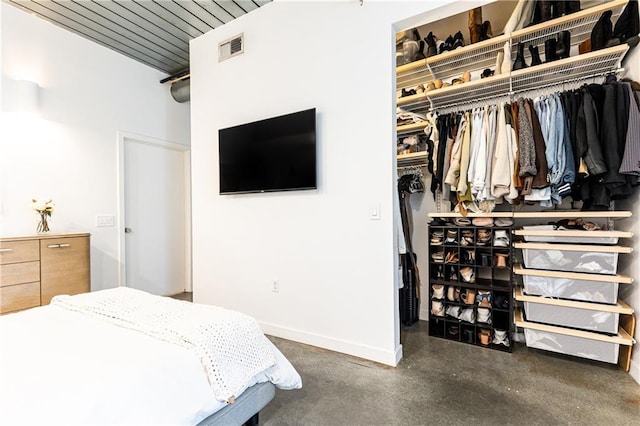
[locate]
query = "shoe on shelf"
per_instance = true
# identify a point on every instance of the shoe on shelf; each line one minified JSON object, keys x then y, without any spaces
{"x":519,"y":62}
{"x":432,"y":49}
{"x":468,"y":296}
{"x":452,"y":257}
{"x":409,"y":92}
{"x":500,"y":337}
{"x":489,"y":72}
{"x":437,"y":308}
{"x":438,"y":291}
{"x":563,"y":45}
{"x":453,"y":275}
{"x":484,"y":336}
{"x":453,"y":311}
{"x":458,"y":40}
{"x":502,"y":260}
{"x":484,"y":315}
{"x":420,"y":53}
{"x":467,"y":274}
{"x":602,"y":31}
{"x":453,"y":293}
{"x":468,"y":315}
{"x":474,"y":23}
{"x":438,"y":256}
{"x":487,"y":32}
{"x":628,"y":24}
{"x":501,"y":238}
{"x":535,"y":55}
{"x":550,"y":54}
{"x":500,"y":301}
{"x":484,"y":298}
{"x":453,"y":330}
{"x":506,"y":59}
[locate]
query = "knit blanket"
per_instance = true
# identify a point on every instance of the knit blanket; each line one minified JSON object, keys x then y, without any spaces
{"x":230,"y":345}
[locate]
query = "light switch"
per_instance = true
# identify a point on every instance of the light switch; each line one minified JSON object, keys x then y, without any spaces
{"x":374,"y":212}
{"x":105,"y":220}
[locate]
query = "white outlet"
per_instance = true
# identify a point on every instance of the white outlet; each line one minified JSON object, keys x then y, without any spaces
{"x":275,"y":286}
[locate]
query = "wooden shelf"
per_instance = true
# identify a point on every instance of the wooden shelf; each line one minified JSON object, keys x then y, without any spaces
{"x":571,"y":213}
{"x":573,"y":247}
{"x":573,"y":233}
{"x":413,"y":159}
{"x":622,"y":338}
{"x":622,"y":279}
{"x":453,"y":214}
{"x":621,"y":307}
{"x":411,"y":128}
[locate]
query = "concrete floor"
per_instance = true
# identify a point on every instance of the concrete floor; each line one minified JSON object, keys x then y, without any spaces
{"x":440,"y":382}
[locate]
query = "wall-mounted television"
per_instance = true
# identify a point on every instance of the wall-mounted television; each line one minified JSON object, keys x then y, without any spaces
{"x":274,"y":154}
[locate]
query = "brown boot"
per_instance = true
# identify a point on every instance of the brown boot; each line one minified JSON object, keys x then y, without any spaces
{"x":475,"y":25}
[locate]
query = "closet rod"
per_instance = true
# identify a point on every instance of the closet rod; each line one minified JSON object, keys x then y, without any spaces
{"x":478,"y":102}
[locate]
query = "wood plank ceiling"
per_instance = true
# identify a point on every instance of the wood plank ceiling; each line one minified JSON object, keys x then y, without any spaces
{"x":154,"y":32}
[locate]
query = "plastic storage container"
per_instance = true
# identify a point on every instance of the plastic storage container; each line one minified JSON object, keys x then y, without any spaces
{"x":565,"y":288}
{"x":585,"y":319}
{"x":571,"y":261}
{"x":572,"y":345}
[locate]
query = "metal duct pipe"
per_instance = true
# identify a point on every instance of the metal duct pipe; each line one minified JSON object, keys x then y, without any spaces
{"x":181,"y":90}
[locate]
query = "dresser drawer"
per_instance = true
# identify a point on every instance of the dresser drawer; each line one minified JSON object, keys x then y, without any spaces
{"x":19,"y":251}
{"x":64,"y":267}
{"x":19,"y":273}
{"x":18,"y":297}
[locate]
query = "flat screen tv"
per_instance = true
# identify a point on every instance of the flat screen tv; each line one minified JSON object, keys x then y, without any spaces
{"x":274,"y":154}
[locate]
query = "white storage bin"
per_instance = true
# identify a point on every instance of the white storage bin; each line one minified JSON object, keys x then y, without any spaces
{"x":577,"y":239}
{"x":565,"y":288}
{"x":571,"y":261}
{"x":572,"y":345}
{"x":585,"y":319}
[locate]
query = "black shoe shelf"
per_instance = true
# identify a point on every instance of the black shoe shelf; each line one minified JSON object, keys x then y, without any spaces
{"x":471,"y":283}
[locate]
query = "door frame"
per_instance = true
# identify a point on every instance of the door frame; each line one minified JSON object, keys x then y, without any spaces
{"x":122,"y":138}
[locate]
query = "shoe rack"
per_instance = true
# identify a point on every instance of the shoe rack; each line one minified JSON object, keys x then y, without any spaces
{"x":470,"y":280}
{"x":568,"y":286}
{"x":482,"y":55}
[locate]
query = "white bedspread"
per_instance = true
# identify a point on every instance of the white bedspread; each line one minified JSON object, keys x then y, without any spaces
{"x":61,"y":367}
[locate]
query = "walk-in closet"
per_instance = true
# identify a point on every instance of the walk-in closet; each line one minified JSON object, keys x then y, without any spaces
{"x":518,"y":152}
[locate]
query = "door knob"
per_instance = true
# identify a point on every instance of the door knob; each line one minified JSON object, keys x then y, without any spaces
{"x":127,"y":230}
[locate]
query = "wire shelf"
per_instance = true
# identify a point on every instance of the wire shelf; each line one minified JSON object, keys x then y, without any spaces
{"x":482,"y":55}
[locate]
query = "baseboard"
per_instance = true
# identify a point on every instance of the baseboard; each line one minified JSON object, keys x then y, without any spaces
{"x":424,"y":313}
{"x":362,"y":351}
{"x":634,"y":370}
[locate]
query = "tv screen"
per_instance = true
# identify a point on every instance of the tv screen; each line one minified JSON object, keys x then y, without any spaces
{"x":275,"y":154}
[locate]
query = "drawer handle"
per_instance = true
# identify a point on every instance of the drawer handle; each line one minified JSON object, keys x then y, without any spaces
{"x":58,"y":245}
{"x":4,"y":250}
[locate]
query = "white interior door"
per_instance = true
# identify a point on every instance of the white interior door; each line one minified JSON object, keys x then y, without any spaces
{"x":156,"y":217}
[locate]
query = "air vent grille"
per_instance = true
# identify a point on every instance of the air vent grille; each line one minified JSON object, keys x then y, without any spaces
{"x":230,"y":48}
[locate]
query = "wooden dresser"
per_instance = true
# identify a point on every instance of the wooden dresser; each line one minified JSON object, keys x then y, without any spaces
{"x":35,"y":268}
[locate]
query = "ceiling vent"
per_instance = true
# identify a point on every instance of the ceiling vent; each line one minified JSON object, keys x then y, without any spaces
{"x":230,"y":48}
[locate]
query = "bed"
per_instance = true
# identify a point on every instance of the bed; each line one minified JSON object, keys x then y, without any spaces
{"x":125,"y":357}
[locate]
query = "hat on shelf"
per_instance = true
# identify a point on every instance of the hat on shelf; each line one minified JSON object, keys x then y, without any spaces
{"x":483,"y":221}
{"x":503,"y":221}
{"x":462,"y":221}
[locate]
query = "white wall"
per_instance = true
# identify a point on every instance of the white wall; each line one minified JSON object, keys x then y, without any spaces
{"x":336,"y":267}
{"x":69,"y":153}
